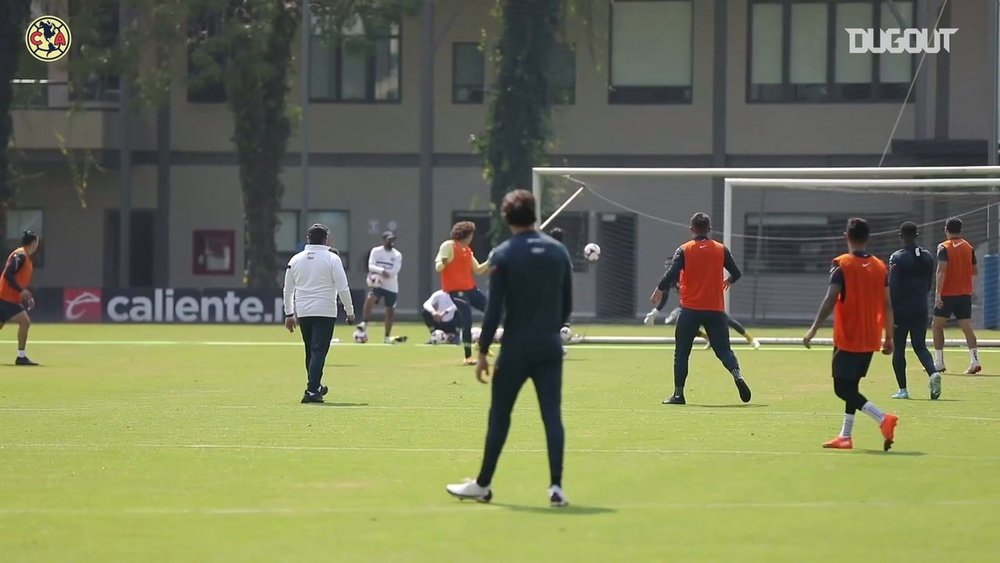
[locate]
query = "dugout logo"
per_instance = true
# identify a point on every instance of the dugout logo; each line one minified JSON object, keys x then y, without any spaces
{"x":48,"y":39}
{"x":82,"y":305}
{"x":896,"y":41}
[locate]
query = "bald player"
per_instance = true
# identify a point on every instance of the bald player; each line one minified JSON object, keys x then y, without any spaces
{"x":696,"y":270}
{"x":858,"y":297}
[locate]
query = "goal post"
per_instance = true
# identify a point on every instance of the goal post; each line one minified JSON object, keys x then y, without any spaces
{"x":640,"y":215}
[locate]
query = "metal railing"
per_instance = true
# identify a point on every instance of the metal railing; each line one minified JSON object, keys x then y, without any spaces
{"x":41,"y":93}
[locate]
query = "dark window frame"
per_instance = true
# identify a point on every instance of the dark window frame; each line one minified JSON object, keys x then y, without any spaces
{"x":337,"y":54}
{"x":12,"y":242}
{"x":100,"y":88}
{"x":455,"y":85}
{"x":648,"y":95}
{"x":836,"y":93}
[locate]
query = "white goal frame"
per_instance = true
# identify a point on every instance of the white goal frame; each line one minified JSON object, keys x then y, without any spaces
{"x":933,"y":176}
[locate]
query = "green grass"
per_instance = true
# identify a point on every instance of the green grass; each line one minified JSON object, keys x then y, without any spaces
{"x":99,"y":457}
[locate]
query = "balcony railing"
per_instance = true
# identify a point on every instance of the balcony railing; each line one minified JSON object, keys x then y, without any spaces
{"x":30,"y":93}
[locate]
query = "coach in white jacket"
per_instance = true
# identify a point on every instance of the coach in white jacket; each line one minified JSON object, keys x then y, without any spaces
{"x":314,"y":279}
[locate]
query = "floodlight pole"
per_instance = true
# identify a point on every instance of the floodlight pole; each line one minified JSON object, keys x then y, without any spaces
{"x":727,"y":216}
{"x":304,"y":130}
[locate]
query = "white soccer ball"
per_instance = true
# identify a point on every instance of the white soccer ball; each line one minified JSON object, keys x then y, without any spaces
{"x":592,"y":252}
{"x":476,"y":332}
{"x":438,"y":337}
{"x":565,"y":334}
{"x":374,"y":280}
{"x":360,"y":335}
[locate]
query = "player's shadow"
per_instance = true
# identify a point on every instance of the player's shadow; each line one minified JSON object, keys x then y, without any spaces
{"x":893,"y":453}
{"x":571,"y":510}
{"x":730,"y":406}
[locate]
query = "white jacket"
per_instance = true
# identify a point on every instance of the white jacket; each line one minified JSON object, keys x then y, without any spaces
{"x":314,"y":279}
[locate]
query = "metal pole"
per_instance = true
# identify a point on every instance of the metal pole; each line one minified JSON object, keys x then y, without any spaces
{"x":727,"y":214}
{"x":163,"y":194}
{"x":995,"y":106}
{"x":304,"y":79}
{"x":124,"y":167}
{"x":425,"y":252}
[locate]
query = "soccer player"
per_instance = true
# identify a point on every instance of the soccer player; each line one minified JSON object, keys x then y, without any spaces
{"x":911,"y":275}
{"x":315,"y":278}
{"x":673,"y":316}
{"x":531,"y":286}
{"x":457,"y":265}
{"x":696,"y":270}
{"x":858,"y":296}
{"x":953,"y":295}
{"x":439,"y":313}
{"x":384,"y":261}
{"x":15,"y":297}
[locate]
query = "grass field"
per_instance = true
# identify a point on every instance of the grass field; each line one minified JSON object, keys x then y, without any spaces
{"x":166,"y":443}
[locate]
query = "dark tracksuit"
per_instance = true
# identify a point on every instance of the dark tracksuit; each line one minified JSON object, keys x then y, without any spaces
{"x":531,"y":287}
{"x":911,"y":277}
{"x":694,"y":316}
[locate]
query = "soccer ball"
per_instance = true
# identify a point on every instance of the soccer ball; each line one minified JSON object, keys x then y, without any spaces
{"x":476,"y":332}
{"x":592,"y":252}
{"x":438,"y":337}
{"x":374,"y":280}
{"x":360,"y":335}
{"x":565,"y":334}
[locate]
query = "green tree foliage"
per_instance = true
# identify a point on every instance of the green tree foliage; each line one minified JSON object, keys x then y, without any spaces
{"x":250,"y":46}
{"x":13,"y":19}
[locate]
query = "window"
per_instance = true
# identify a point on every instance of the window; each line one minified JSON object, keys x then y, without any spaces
{"x":289,"y":237}
{"x":467,"y":74}
{"x":562,"y":74}
{"x":30,"y":84}
{"x":213,"y":252}
{"x":651,"y":52}
{"x":20,"y":220}
{"x":805,"y":243}
{"x":799,"y":52}
{"x":101,"y":40}
{"x":358,"y":68}
{"x":575,"y":235}
{"x":206,"y":59}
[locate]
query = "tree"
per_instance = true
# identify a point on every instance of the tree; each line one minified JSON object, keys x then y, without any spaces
{"x":245,"y":46}
{"x":519,"y":122}
{"x":13,"y":19}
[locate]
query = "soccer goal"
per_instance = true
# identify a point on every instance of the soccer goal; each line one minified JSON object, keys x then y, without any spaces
{"x":784,"y":226}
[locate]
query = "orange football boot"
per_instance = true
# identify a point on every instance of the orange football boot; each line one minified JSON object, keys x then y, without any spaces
{"x":840,"y":443}
{"x":888,"y":428}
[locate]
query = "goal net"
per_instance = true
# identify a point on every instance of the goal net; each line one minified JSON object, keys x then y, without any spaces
{"x":783,"y":232}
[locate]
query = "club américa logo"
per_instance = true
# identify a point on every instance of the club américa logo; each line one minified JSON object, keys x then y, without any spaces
{"x":48,"y":38}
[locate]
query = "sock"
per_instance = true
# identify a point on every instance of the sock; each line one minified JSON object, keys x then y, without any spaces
{"x":21,"y":354}
{"x":736,"y":373}
{"x":871,"y":410}
{"x":845,"y":431}
{"x":974,"y":355}
{"x":939,"y":357}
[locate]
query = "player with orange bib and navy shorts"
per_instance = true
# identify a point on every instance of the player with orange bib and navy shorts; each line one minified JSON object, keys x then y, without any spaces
{"x":858,"y":297}
{"x":458,"y":267}
{"x":15,"y":298}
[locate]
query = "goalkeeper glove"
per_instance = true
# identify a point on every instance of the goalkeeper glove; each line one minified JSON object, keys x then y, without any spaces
{"x":650,"y":317}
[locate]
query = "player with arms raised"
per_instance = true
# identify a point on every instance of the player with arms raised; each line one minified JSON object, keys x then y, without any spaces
{"x":858,"y":297}
{"x":953,"y":297}
{"x":384,"y":261}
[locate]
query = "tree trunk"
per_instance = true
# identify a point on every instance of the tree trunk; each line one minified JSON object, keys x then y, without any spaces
{"x":519,"y":116}
{"x":258,"y":101}
{"x":13,"y":19}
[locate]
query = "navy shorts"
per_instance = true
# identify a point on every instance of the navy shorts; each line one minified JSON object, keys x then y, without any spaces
{"x":388,"y":296}
{"x":9,"y":310}
{"x":958,"y":306}
{"x":851,"y":365}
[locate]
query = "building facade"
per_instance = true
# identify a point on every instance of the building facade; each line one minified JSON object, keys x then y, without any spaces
{"x":639,"y":83}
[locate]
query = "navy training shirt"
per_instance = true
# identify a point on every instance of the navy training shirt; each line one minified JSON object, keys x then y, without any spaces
{"x":531,"y":291}
{"x":911,"y":278}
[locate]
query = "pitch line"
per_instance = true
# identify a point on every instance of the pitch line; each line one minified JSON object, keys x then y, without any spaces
{"x":395,"y":449}
{"x":463,"y":509}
